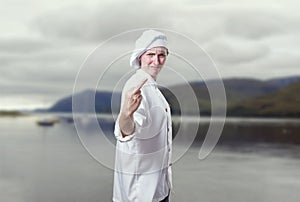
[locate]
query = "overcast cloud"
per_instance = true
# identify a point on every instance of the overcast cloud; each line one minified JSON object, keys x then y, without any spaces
{"x":43,"y":43}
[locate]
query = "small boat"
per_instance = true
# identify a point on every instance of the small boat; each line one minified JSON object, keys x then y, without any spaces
{"x":46,"y":122}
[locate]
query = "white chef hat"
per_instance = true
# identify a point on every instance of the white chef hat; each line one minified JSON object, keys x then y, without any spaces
{"x":147,"y":40}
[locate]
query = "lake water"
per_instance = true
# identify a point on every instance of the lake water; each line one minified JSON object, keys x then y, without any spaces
{"x":255,"y":160}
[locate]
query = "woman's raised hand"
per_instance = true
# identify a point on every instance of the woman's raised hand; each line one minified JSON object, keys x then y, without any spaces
{"x":133,"y":99}
{"x":131,"y":103}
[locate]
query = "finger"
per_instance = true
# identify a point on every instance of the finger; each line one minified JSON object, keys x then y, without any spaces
{"x":136,"y":99}
{"x":140,"y":85}
{"x":135,"y":96}
{"x":137,"y":102}
{"x":132,"y":100}
{"x":139,"y":99}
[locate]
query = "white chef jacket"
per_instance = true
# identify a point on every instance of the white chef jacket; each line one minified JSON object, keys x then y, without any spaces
{"x":143,"y":159}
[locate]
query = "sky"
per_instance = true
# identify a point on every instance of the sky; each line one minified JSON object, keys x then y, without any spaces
{"x":46,"y":45}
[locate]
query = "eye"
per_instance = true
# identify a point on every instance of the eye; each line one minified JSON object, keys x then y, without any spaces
{"x":162,"y":55}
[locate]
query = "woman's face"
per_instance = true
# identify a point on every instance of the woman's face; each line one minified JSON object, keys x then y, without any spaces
{"x":153,"y":60}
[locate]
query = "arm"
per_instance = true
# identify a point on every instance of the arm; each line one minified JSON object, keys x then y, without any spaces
{"x":131,"y":103}
{"x":126,"y":124}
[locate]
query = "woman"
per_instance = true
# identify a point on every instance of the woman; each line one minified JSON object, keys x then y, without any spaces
{"x":143,"y":128}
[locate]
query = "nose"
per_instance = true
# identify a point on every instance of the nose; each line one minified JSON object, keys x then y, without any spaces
{"x":155,"y":60}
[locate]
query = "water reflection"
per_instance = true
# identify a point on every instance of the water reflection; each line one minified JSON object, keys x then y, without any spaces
{"x":254,"y":161}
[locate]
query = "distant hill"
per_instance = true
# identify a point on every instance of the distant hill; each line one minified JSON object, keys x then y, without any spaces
{"x":102,"y":101}
{"x":282,"y":103}
{"x":11,"y":113}
{"x":236,"y":89}
{"x":243,"y":96}
{"x":283,"y":82}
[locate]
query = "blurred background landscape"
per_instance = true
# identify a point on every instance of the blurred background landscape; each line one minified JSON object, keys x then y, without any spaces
{"x":48,"y":155}
{"x":245,"y":98}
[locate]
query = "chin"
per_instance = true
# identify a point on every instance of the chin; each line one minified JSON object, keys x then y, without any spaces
{"x":155,"y":72}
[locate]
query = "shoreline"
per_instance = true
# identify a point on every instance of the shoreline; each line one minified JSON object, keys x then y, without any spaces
{"x":11,"y":113}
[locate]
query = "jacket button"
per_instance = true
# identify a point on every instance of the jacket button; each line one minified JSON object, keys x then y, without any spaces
{"x":166,"y":110}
